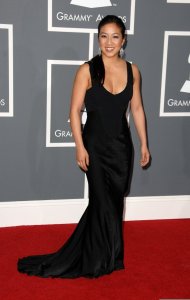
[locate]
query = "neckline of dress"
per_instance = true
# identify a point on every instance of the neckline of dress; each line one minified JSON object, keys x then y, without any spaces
{"x":124,"y":87}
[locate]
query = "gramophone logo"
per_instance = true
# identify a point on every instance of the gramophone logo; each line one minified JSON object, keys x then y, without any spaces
{"x":84,"y":15}
{"x":175,"y":84}
{"x":91,"y":3}
{"x":186,"y":86}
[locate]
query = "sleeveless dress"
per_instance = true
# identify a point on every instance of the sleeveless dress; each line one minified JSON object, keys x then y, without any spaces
{"x":96,"y":246}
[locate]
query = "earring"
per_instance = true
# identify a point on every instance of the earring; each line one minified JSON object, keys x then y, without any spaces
{"x":99,"y":51}
{"x":121,"y":52}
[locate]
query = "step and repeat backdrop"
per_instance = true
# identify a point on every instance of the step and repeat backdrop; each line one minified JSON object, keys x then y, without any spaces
{"x":42,"y":43}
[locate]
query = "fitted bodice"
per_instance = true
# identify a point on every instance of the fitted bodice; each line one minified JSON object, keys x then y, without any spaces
{"x":109,"y":108}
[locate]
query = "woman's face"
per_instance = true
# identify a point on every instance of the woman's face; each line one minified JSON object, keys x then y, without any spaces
{"x":110,"y":39}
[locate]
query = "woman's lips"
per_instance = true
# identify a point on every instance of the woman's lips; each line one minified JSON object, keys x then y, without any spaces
{"x":109,"y":49}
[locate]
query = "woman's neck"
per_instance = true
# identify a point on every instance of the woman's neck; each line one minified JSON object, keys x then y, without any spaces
{"x":108,"y":61}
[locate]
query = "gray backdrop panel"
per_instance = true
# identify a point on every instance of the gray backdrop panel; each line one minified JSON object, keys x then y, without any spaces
{"x":31,"y":171}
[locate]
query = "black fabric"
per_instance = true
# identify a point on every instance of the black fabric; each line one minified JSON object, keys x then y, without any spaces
{"x":96,"y":247}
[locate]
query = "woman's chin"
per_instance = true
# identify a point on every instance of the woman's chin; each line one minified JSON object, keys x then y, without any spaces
{"x":110,"y":53}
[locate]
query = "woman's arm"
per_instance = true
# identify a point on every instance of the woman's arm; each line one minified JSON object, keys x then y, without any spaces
{"x":139,"y":116}
{"x":80,"y":85}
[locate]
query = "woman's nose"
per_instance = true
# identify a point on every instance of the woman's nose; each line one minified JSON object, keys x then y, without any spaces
{"x":109,"y":40}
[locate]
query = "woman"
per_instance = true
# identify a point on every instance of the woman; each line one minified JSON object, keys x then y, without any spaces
{"x":105,"y":84}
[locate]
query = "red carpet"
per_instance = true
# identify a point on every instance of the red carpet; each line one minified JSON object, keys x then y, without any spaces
{"x":157,"y":261}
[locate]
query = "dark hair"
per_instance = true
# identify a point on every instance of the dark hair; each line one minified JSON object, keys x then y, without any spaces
{"x":97,"y":62}
{"x":112,"y":19}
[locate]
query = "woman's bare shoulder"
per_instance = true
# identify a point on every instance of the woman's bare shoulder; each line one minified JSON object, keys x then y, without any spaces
{"x":83,"y":68}
{"x":135,"y":69}
{"x":82,"y":72}
{"x":82,"y":76}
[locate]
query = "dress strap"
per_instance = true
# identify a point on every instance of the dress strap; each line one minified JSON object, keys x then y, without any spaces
{"x":130,"y":73}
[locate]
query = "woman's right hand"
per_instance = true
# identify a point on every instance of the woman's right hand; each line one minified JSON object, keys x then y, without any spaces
{"x":82,"y":158}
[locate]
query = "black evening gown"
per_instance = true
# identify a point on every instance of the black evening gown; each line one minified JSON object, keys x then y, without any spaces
{"x":96,"y":245}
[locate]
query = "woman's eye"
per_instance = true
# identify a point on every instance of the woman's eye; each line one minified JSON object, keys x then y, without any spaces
{"x":116,"y":37}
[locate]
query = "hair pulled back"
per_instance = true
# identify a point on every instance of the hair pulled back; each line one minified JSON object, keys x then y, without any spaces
{"x":97,"y":62}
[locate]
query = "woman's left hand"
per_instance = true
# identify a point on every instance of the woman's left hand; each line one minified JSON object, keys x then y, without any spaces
{"x":145,"y":156}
